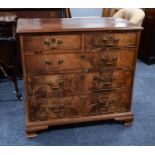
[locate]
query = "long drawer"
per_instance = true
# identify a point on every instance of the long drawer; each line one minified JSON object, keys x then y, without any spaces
{"x":46,"y":64}
{"x":79,"y":106}
{"x":78,"y":83}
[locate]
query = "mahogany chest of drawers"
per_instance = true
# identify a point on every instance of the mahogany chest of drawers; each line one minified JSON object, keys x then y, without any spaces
{"x":77,"y":70}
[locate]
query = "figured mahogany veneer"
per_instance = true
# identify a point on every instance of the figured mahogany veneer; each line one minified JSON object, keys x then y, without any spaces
{"x":79,"y":106}
{"x":77,"y":83}
{"x":48,"y":63}
{"x":51,"y":42}
{"x":77,"y":70}
{"x":110,"y":39}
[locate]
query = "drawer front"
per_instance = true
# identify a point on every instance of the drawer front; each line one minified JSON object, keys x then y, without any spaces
{"x":51,"y":42}
{"x":113,"y":39}
{"x":66,"y":84}
{"x":57,"y":62}
{"x":79,"y":106}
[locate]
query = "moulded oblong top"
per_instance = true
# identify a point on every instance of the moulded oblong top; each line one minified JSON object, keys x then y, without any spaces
{"x":73,"y":24}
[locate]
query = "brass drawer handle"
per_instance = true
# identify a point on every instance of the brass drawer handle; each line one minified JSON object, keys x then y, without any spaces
{"x":105,"y":101}
{"x":48,"y":61}
{"x":105,"y":59}
{"x":114,"y":58}
{"x":53,"y":43}
{"x":113,"y":78}
{"x":46,"y":42}
{"x":60,"y":61}
{"x":108,"y":83}
{"x":110,"y":101}
{"x":56,"y":85}
{"x":110,"y":45}
{"x":110,"y":39}
{"x":102,"y":79}
{"x":101,"y":101}
{"x":61,"y":82}
{"x":108,"y":62}
{"x":56,"y":108}
{"x":59,"y":41}
{"x":50,"y":83}
{"x":104,"y":39}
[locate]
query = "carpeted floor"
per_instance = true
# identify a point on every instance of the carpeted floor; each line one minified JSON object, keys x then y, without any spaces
{"x":12,"y":119}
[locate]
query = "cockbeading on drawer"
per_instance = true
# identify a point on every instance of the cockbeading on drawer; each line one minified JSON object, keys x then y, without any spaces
{"x":70,"y":107}
{"x":78,"y":83}
{"x":51,"y":63}
{"x":51,"y":42}
{"x":110,"y":39}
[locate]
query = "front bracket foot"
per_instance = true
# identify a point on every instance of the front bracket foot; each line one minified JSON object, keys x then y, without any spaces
{"x":31,"y":134}
{"x":128,"y":123}
{"x":126,"y":119}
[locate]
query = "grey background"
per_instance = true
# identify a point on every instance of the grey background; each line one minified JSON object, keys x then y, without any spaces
{"x":86,"y":12}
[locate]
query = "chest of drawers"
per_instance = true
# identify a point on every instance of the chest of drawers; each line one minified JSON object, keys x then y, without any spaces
{"x":77,"y":70}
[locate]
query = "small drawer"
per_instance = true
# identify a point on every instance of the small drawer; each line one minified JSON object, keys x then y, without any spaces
{"x":80,"y":83}
{"x":70,"y":107}
{"x":51,"y":42}
{"x":110,"y":39}
{"x":51,"y":63}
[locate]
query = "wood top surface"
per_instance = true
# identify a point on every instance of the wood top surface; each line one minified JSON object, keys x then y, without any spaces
{"x":37,"y":25}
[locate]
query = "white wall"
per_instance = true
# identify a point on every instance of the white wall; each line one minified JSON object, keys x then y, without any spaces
{"x":85,"y":12}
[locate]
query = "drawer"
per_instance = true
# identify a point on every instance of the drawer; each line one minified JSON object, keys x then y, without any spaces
{"x":47,"y":64}
{"x":110,"y":39}
{"x":79,"y":106}
{"x":80,"y":83}
{"x":51,"y":42}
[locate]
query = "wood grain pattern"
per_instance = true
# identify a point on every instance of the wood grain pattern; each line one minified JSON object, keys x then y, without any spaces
{"x":76,"y":24}
{"x":73,"y":75}
{"x":110,"y":39}
{"x":79,"y":83}
{"x":47,"y":64}
{"x":52,"y":42}
{"x":79,"y":106}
